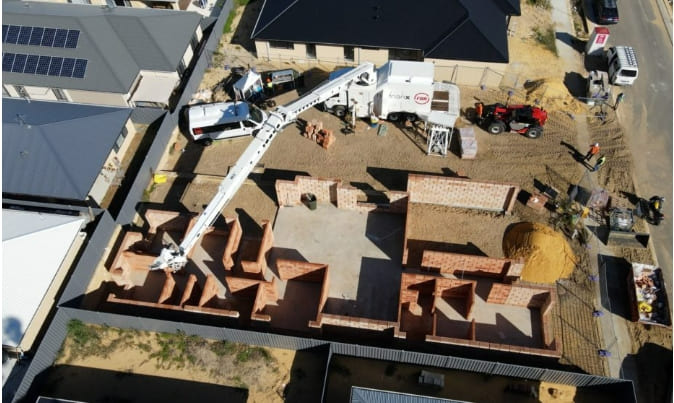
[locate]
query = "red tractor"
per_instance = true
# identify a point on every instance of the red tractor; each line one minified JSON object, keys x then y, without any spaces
{"x":523,"y":119}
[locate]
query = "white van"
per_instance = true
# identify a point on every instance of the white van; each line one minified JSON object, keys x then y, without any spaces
{"x":222,"y":120}
{"x":622,"y":65}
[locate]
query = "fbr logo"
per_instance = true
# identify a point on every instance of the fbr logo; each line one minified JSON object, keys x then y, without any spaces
{"x":422,"y":98}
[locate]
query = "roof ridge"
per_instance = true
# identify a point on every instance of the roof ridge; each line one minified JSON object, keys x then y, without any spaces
{"x":273,"y":19}
{"x":66,"y":119}
{"x":459,"y":25}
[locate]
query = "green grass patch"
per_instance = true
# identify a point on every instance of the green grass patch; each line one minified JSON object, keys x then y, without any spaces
{"x":176,"y":349}
{"x":228,"y":24}
{"x":546,"y":37}
{"x":247,"y":353}
{"x":82,"y":335}
{"x":223,"y":348}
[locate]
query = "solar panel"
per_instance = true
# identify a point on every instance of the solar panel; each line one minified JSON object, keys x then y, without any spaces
{"x":48,"y":36}
{"x":7,"y":61}
{"x":60,"y":38}
{"x":19,"y":63}
{"x":36,"y":36}
{"x":24,"y":35}
{"x":31,"y":64}
{"x":4,"y":32}
{"x":73,"y":36}
{"x":55,"y":66}
{"x":13,"y":34}
{"x":80,"y":68}
{"x":43,"y":65}
{"x":68,"y":66}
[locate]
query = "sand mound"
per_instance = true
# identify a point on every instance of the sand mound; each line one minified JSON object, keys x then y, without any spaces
{"x":552,"y":94}
{"x":548,"y":257}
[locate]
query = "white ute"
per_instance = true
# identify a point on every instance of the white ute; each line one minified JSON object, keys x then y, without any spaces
{"x":223,"y":120}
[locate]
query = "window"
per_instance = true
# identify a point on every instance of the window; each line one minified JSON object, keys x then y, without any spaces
{"x":194,"y":42}
{"x":120,"y":139}
{"x":281,"y":45}
{"x":311,"y":51}
{"x":181,"y":68}
{"x":348,"y":53}
{"x":60,"y":95}
{"x":217,"y":128}
{"x":21,"y":91}
{"x":405,"y":54}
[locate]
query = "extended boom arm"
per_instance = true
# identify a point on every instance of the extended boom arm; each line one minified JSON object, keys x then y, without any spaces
{"x":175,"y":257}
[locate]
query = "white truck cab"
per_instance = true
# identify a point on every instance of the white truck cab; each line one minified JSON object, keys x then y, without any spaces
{"x":222,"y":120}
{"x":622,"y":65}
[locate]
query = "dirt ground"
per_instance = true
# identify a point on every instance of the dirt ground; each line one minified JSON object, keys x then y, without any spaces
{"x":261,"y":374}
{"x":381,"y":163}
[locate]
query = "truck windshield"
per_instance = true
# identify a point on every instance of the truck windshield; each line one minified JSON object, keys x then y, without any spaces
{"x":628,"y":73}
{"x":255,"y":114}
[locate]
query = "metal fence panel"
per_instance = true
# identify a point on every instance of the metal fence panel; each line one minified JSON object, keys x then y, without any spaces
{"x":93,"y":252}
{"x":517,"y":371}
{"x":568,"y":378}
{"x":45,"y":354}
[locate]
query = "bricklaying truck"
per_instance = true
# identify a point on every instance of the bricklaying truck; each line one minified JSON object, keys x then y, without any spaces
{"x":437,"y":104}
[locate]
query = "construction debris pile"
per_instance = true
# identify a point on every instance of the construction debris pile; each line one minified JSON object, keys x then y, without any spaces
{"x":649,"y":299}
{"x":314,"y":130}
{"x":548,"y":257}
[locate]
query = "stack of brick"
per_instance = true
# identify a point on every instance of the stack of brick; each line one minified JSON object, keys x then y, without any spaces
{"x":468,"y":143}
{"x":314,"y":131}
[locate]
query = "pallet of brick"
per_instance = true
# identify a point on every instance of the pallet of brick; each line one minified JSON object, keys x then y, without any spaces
{"x":468,"y":143}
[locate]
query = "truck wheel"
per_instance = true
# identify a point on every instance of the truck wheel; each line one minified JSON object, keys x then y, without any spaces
{"x":393,"y":117}
{"x":496,"y":127}
{"x":339,"y":111}
{"x":534,"y":132}
{"x":205,"y":142}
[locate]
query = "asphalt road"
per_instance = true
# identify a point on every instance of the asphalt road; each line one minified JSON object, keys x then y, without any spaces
{"x":646,"y":114}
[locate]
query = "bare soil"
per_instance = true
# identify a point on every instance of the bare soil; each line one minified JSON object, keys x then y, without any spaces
{"x":263,"y":372}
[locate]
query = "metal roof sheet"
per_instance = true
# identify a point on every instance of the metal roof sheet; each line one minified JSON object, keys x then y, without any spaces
{"x":118,"y":42}
{"x":54,"y":149}
{"x":444,"y":29}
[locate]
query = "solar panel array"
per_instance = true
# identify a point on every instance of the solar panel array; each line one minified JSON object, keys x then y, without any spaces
{"x":40,"y":36}
{"x":44,"y":65}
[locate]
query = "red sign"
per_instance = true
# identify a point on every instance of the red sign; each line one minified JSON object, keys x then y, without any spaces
{"x":422,"y":98}
{"x":600,"y":39}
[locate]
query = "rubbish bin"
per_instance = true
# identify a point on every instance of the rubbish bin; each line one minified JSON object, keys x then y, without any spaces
{"x":310,"y":200}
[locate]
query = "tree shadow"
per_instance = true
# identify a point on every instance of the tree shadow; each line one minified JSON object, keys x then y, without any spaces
{"x":307,"y":375}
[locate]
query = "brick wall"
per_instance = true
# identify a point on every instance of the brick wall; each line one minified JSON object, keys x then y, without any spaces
{"x":209,"y":291}
{"x":266,"y":293}
{"x":498,"y":294}
{"x":460,"y":192}
{"x":289,"y":193}
{"x":291,"y":269}
{"x":232,"y":244}
{"x":260,"y":263}
{"x":189,"y":288}
{"x":455,"y":263}
{"x":167,"y":289}
{"x":325,"y":289}
{"x":166,"y":220}
{"x":351,"y":321}
{"x":236,"y":284}
{"x":518,"y":295}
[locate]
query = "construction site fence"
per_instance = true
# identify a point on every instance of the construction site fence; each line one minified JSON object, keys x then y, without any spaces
{"x":169,"y":122}
{"x":49,"y":349}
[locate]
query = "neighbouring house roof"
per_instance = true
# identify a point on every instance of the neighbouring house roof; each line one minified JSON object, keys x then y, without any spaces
{"x":34,"y":248}
{"x":54,"y":149}
{"x":366,"y":395}
{"x":472,"y":30}
{"x":117,"y":42}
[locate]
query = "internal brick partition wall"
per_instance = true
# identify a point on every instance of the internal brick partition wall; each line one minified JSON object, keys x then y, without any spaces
{"x":260,"y":263}
{"x":462,"y":192}
{"x":542,"y":298}
{"x":484,"y":266}
{"x":289,"y":193}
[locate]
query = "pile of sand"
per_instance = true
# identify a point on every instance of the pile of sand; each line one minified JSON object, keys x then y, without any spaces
{"x":548,"y":257}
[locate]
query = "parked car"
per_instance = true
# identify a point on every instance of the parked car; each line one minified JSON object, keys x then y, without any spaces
{"x":606,"y":12}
